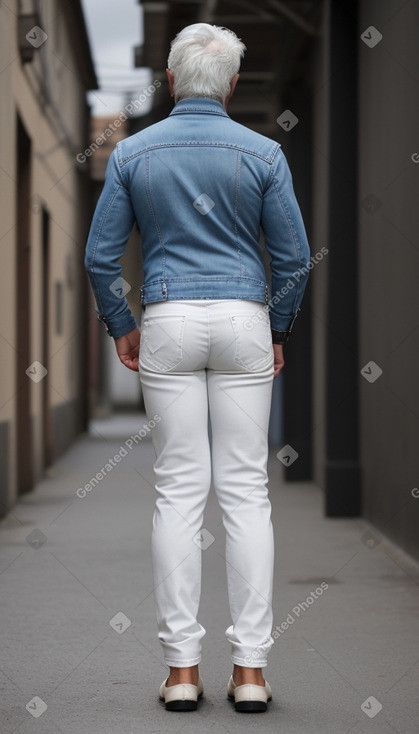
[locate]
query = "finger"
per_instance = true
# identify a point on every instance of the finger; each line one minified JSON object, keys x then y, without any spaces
{"x":131,"y":364}
{"x":278,"y":367}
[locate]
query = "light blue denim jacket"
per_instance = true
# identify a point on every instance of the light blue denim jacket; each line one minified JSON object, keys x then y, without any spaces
{"x":200,"y":186}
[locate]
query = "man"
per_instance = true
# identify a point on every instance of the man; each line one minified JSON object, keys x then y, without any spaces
{"x":200,"y":187}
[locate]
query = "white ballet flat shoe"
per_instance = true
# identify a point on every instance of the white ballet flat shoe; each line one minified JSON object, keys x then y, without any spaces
{"x":182,"y":697}
{"x":249,"y":697}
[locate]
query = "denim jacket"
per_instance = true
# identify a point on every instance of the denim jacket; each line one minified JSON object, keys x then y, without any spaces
{"x":200,"y":187}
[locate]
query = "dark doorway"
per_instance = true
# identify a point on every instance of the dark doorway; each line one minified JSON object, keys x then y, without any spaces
{"x":23,"y":331}
{"x":46,"y":285}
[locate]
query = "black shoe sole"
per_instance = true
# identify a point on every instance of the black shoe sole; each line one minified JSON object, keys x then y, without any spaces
{"x":181,"y":705}
{"x":251,"y":707}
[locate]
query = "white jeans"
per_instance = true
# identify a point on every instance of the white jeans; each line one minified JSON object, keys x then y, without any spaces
{"x":195,"y":357}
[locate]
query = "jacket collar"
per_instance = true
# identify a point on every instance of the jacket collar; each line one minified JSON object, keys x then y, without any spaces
{"x":199,"y":104}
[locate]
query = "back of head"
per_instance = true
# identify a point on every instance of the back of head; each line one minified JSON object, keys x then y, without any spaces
{"x":204,"y":59}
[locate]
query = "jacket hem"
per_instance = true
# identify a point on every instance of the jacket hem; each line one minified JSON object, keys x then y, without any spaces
{"x":208,"y":288}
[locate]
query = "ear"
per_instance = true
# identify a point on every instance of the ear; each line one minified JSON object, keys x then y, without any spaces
{"x":171,"y":80}
{"x":233,"y":83}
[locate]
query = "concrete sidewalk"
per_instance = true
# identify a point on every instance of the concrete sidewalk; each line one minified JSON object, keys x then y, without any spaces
{"x":79,"y":633}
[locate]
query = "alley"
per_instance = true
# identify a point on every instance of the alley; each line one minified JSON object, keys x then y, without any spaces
{"x":80,"y":652}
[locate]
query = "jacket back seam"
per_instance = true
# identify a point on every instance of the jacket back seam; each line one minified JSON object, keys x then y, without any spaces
{"x":156,"y":224}
{"x":236,"y":201}
{"x":203,"y":144}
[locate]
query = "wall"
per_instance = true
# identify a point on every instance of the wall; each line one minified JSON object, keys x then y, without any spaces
{"x":388,"y":272}
{"x":320,"y":88}
{"x":48,"y":96}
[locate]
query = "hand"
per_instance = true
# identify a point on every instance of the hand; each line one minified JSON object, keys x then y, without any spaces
{"x":128,"y":349}
{"x":278,"y":359}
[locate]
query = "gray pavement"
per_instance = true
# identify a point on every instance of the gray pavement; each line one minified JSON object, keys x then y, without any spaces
{"x":78,"y":631}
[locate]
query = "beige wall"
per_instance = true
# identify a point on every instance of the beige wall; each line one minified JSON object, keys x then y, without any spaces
{"x":49,"y":96}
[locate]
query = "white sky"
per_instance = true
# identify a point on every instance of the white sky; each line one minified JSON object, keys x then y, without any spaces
{"x":114,"y":28}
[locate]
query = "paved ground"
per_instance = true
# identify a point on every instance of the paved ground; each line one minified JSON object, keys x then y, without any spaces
{"x":347,"y":662}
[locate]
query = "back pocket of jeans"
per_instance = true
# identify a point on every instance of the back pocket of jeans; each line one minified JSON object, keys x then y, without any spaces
{"x":253,"y":341}
{"x":161,"y":341}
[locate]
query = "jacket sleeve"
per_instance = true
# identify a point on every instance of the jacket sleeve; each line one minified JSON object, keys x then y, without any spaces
{"x":110,"y":229}
{"x":287,"y":245}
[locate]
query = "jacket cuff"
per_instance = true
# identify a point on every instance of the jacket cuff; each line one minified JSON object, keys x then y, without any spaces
{"x":118,"y":325}
{"x":281,"y":336}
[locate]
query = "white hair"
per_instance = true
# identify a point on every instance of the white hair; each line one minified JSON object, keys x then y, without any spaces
{"x":204,"y":58}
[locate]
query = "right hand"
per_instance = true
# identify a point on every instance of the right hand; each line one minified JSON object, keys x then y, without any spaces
{"x":278,"y":359}
{"x":128,"y":349}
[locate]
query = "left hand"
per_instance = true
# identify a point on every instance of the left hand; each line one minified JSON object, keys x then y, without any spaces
{"x":278,"y":359}
{"x":128,"y":349}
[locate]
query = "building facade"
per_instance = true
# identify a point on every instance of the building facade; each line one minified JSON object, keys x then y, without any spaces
{"x":45,"y":71}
